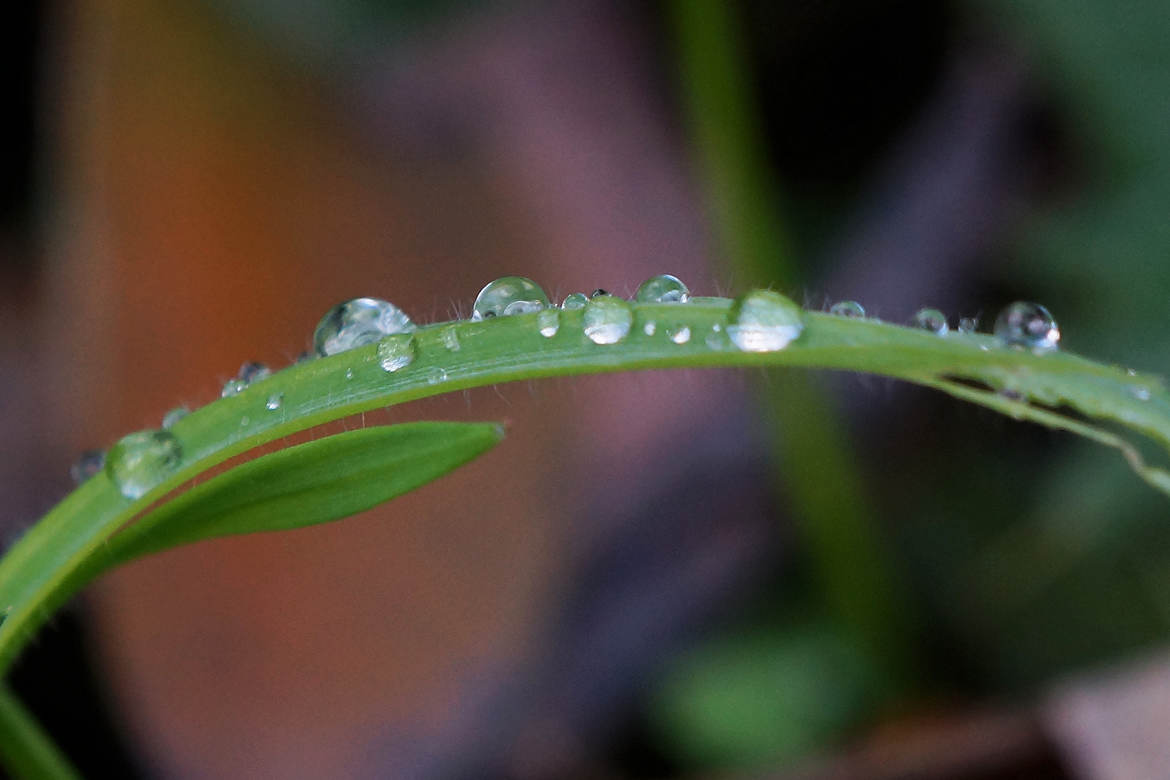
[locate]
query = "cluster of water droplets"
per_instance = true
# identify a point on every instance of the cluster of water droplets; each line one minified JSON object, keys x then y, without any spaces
{"x":759,"y":321}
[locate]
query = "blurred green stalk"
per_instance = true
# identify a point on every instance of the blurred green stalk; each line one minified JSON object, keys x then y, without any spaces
{"x":852,"y":565}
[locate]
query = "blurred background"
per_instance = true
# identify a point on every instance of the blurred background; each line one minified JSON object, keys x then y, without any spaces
{"x":662,"y":575}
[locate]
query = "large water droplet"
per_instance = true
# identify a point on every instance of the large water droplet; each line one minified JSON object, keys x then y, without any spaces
{"x":87,"y":464}
{"x":1024,"y":324}
{"x":549,"y":322}
{"x":508,"y":295}
{"x":607,"y":319}
{"x":357,"y":323}
{"x":764,"y":321}
{"x":173,"y":416}
{"x":396,"y":352}
{"x":851,"y":309}
{"x":142,"y":460}
{"x":679,"y":334}
{"x":931,"y":319}
{"x":575,"y":301}
{"x":274,"y":402}
{"x":663,"y":288}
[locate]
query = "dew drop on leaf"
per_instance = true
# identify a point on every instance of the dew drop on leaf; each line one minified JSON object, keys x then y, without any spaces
{"x":140,"y":461}
{"x":87,"y":464}
{"x":679,"y":334}
{"x":508,"y":295}
{"x":663,"y":288}
{"x":968,"y":325}
{"x":607,"y":320}
{"x":575,"y":300}
{"x":549,"y":322}
{"x":173,"y":416}
{"x":274,"y":402}
{"x":356,"y":323}
{"x":1030,"y":325}
{"x":396,"y":352}
{"x":931,"y":319}
{"x":764,"y":321}
{"x":850,"y":309}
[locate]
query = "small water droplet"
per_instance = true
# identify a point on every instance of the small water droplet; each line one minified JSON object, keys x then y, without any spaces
{"x":349,"y":373}
{"x":679,"y":334}
{"x":435,"y":375}
{"x":233,"y":387}
{"x":931,"y":319}
{"x":764,"y":321}
{"x":1139,"y":392}
{"x":356,"y":323}
{"x":607,"y":319}
{"x":575,"y":300}
{"x":650,"y":328}
{"x":549,"y":322}
{"x":173,"y":416}
{"x":450,"y":338}
{"x":252,"y":372}
{"x":244,"y":421}
{"x":508,"y":295}
{"x":598,"y":293}
{"x":1024,"y":324}
{"x":140,"y":461}
{"x":968,"y":325}
{"x":274,"y":402}
{"x":663,"y":288}
{"x":87,"y":464}
{"x":396,"y":352}
{"x":850,"y":309}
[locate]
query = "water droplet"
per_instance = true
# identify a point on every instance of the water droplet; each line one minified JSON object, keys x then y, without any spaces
{"x":764,"y":321}
{"x":679,"y":334}
{"x":274,"y":402}
{"x":173,"y":416}
{"x":508,"y":295}
{"x":396,"y":352}
{"x":968,"y":325}
{"x":233,"y":387}
{"x":140,"y":461}
{"x":575,"y":301}
{"x":850,"y":309}
{"x":87,"y":464}
{"x":349,"y":373}
{"x":607,"y":319}
{"x":244,"y":421}
{"x":598,"y":293}
{"x":436,"y":375}
{"x":931,"y":319}
{"x":663,"y":288}
{"x":450,"y":338}
{"x":650,"y":328}
{"x":1023,"y":324}
{"x":549,"y":322}
{"x":357,"y":323}
{"x":252,"y":372}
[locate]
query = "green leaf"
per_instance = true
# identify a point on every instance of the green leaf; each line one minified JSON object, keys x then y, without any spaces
{"x":307,"y":484}
{"x":42,"y":569}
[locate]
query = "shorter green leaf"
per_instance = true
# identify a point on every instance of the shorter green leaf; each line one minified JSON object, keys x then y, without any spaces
{"x":307,"y":484}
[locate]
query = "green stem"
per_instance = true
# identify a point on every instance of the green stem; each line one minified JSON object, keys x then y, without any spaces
{"x":26,"y":751}
{"x":850,"y":560}
{"x":45,"y":567}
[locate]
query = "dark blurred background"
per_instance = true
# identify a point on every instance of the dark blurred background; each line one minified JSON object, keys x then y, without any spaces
{"x":683,"y":574}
